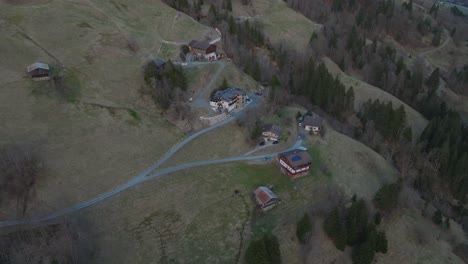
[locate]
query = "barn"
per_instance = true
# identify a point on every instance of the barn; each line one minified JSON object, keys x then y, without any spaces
{"x":39,"y":71}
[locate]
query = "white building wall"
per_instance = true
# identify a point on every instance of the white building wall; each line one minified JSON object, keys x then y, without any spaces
{"x":285,"y":165}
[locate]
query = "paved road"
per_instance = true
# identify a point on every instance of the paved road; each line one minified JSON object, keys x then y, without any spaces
{"x":138,"y":180}
{"x":201,"y":99}
{"x":146,"y":175}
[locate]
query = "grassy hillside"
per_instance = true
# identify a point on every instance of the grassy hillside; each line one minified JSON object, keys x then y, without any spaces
{"x":279,"y":22}
{"x":196,"y":215}
{"x":364,"y":91}
{"x":104,"y":133}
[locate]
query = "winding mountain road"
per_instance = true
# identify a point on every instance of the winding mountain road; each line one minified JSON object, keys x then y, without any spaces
{"x":146,"y":175}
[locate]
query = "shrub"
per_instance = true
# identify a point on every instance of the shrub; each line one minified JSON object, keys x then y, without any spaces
{"x":304,"y":229}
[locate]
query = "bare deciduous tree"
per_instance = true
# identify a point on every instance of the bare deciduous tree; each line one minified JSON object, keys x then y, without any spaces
{"x":19,"y":170}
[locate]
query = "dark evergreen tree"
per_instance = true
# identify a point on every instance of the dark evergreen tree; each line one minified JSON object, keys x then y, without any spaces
{"x":356,"y":223}
{"x":381,"y":244}
{"x":304,"y":229}
{"x":335,"y":229}
{"x":364,"y":252}
{"x":437,"y":217}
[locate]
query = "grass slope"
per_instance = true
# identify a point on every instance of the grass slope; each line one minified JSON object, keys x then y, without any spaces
{"x":279,"y":22}
{"x":197,"y":217}
{"x":364,"y":91}
{"x":110,"y":133}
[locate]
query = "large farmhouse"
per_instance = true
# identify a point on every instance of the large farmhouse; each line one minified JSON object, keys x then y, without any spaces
{"x":203,"y":50}
{"x":265,"y":198}
{"x":312,"y":123}
{"x":228,"y":99}
{"x":39,"y":71}
{"x":295,"y":163}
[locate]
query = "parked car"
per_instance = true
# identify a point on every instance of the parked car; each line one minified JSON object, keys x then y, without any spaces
{"x":275,"y":142}
{"x":262,"y":143}
{"x":258,"y":93}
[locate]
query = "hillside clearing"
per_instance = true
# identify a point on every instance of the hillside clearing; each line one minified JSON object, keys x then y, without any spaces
{"x":364,"y":91}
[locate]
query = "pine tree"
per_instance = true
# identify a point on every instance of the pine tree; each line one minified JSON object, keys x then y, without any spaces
{"x":304,"y":229}
{"x":224,"y":85}
{"x":437,"y":217}
{"x":256,"y":253}
{"x":256,"y":74}
{"x":381,"y":244}
{"x":229,"y":5}
{"x":364,"y":252}
{"x":232,"y":25}
{"x":335,"y":229}
{"x":433,"y":81}
{"x":386,"y":198}
{"x":356,"y":223}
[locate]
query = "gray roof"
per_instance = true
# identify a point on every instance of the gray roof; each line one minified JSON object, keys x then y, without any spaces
{"x":313,"y":120}
{"x":198,"y":44}
{"x":273,"y":129}
{"x":38,"y":65}
{"x":297,"y":157}
{"x":227,"y":94}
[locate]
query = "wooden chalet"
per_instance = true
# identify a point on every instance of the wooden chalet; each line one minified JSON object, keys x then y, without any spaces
{"x":295,"y":163}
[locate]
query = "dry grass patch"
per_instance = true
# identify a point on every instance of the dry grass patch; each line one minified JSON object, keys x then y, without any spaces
{"x":364,"y":91}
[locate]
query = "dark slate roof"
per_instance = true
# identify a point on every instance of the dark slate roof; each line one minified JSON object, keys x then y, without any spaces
{"x":227,"y":94}
{"x":197,"y":44}
{"x":297,"y":157}
{"x":38,"y":65}
{"x":313,"y":120}
{"x":272,"y":128}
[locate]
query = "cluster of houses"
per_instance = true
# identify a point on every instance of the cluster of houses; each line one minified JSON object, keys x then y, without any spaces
{"x":294,"y":164}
